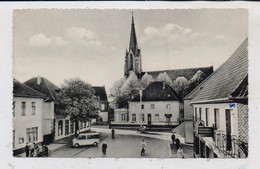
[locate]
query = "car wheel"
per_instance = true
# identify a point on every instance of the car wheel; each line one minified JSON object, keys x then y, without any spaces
{"x":95,"y":144}
{"x":76,"y":145}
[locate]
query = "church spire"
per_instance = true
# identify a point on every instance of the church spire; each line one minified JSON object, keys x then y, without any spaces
{"x":133,"y":40}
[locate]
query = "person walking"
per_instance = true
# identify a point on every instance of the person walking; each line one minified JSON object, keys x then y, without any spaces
{"x":143,"y":145}
{"x":27,"y":150}
{"x":180,"y":153}
{"x":104,"y":148}
{"x":177,"y":141}
{"x":173,"y":138}
{"x":113,"y":133}
{"x":32,"y":150}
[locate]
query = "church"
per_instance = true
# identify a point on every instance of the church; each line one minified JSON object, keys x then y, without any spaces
{"x":159,"y":105}
{"x":133,"y":62}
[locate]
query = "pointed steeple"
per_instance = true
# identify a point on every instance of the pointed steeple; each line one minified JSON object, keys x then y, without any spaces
{"x":133,"y":40}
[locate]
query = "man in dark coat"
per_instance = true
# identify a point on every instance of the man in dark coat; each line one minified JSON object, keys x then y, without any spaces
{"x":113,"y":133}
{"x":173,"y":138}
{"x":104,"y":148}
{"x":27,"y":150}
{"x":177,"y":141}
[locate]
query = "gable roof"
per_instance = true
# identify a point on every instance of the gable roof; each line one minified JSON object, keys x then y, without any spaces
{"x":21,"y":90}
{"x":45,"y":86}
{"x":226,"y":78}
{"x":242,"y":89}
{"x":100,"y":91}
{"x":156,"y":91}
{"x":187,"y":73}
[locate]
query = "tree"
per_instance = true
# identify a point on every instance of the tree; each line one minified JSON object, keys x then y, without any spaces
{"x":146,"y":80}
{"x":180,"y":85}
{"x":77,"y":100}
{"x":116,"y":94}
{"x":196,"y":80}
{"x":164,"y":77}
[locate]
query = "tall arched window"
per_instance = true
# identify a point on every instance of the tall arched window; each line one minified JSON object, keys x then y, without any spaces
{"x":60,"y":128}
{"x":66,"y":127}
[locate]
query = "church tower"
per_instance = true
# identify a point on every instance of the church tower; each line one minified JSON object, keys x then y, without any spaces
{"x":133,"y":61}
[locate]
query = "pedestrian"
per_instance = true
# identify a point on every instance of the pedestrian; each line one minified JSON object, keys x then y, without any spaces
{"x":32,"y":150}
{"x":177,"y":141}
{"x":27,"y":150}
{"x":143,"y":145}
{"x":113,"y":133}
{"x":104,"y":148}
{"x":180,"y":153}
{"x":173,"y":138}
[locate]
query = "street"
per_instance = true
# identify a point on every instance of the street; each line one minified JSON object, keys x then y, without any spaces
{"x":123,"y":146}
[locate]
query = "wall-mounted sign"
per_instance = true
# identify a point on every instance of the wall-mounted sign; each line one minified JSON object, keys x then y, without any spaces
{"x":205,"y":131}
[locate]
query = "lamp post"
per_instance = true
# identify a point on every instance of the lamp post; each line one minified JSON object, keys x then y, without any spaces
{"x":141,"y":95}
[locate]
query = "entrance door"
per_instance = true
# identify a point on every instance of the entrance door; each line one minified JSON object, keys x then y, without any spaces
{"x":228,"y":130}
{"x":149,"y":119}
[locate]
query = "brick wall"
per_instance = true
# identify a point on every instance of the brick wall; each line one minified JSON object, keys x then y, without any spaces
{"x":242,"y":110}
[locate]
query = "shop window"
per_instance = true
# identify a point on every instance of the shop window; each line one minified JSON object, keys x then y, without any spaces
{"x":32,"y":134}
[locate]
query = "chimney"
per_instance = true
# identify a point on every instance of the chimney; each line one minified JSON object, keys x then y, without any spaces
{"x":39,"y":80}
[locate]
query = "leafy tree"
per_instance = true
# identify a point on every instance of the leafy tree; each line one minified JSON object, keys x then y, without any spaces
{"x":117,"y":95}
{"x":196,"y":80}
{"x":146,"y":80}
{"x":180,"y":85}
{"x":164,"y":77}
{"x":77,"y":100}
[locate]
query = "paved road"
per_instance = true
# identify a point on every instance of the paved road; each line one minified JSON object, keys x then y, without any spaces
{"x":123,"y":146}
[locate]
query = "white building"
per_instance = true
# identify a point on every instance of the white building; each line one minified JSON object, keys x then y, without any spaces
{"x":159,"y":106}
{"x":221,"y":110}
{"x":27,"y":116}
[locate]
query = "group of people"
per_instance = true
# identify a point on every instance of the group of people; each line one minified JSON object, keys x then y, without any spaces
{"x":36,"y":150}
{"x":176,"y":143}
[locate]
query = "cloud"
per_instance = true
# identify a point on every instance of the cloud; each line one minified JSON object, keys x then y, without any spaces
{"x":172,"y":35}
{"x":41,"y":40}
{"x":76,"y":33}
{"x":219,"y":38}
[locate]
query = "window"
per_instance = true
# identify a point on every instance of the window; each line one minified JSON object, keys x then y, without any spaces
{"x":207,"y":116}
{"x":102,"y":106}
{"x":200,"y":113}
{"x":84,"y":125}
{"x":81,"y":125}
{"x":23,"y":108}
{"x":134,"y":117}
{"x":82,"y":137}
{"x":32,"y":134}
{"x":123,"y":117}
{"x":168,"y":106}
{"x":71,"y":126}
{"x":33,"y":108}
{"x":196,"y":114}
{"x":13,"y":108}
{"x":216,"y":118}
{"x":152,"y":106}
{"x":157,"y":117}
{"x":142,"y":106}
{"x":66,"y":127}
{"x":60,"y":128}
{"x":142,"y":117}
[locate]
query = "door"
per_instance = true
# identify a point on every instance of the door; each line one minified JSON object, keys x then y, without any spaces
{"x":228,"y":130}
{"x":149,"y":119}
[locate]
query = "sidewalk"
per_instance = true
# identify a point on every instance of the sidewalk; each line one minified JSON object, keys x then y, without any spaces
{"x":53,"y":147}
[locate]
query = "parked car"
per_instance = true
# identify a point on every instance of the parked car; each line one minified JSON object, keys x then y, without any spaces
{"x":86,"y":139}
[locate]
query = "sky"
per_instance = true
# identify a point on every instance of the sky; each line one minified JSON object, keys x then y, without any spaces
{"x":60,"y":44}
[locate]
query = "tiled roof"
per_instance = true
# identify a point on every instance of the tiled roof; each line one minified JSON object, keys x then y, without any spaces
{"x":101,"y":92}
{"x":46,"y":87}
{"x":226,"y":78}
{"x":187,"y":73}
{"x":21,"y":90}
{"x":242,"y":89}
{"x":156,"y":91}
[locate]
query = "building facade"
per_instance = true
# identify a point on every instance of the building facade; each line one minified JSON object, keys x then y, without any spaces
{"x":221,"y":110}
{"x":27,"y":116}
{"x":101,"y":94}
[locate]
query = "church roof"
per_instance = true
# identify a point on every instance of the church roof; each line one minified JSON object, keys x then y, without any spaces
{"x":45,"y":86}
{"x":22,"y":90}
{"x":229,"y":79}
{"x":100,"y":91}
{"x":187,"y":73}
{"x":133,"y":40}
{"x":157,"y":91}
